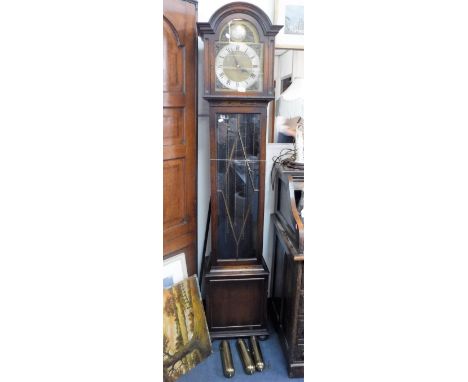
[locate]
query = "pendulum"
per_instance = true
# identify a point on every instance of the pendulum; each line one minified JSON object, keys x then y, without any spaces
{"x":256,"y":354}
{"x":226,"y":359}
{"x":247,"y":362}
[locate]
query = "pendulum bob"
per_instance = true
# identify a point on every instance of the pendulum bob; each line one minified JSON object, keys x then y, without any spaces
{"x":226,"y":359}
{"x":256,"y":354}
{"x":245,"y":357}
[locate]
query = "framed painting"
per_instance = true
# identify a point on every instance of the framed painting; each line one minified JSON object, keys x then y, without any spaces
{"x":290,"y":14}
{"x":174,"y":270}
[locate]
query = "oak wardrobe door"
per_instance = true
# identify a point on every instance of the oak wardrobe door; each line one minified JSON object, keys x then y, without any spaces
{"x":179,"y":124}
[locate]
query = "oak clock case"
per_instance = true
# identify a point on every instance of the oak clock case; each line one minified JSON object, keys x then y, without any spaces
{"x":239,"y":53}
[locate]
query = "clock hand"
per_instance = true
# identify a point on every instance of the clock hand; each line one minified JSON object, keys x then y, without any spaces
{"x":238,"y":66}
{"x":235,"y":60}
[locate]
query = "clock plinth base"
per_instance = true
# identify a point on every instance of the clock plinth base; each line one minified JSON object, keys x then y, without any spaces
{"x":236,"y":300}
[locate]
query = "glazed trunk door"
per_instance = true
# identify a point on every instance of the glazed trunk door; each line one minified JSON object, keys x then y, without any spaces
{"x":179,"y":125}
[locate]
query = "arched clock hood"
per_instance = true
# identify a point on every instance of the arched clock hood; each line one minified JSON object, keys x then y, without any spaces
{"x":210,"y":34}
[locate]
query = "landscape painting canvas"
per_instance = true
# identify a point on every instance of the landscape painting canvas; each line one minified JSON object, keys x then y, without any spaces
{"x":186,"y":340}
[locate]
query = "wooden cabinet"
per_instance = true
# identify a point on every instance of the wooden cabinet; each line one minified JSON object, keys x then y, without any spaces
{"x":179,"y":125}
{"x":287,"y":297}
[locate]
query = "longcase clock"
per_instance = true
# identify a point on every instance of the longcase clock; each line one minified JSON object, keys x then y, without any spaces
{"x":238,"y":71}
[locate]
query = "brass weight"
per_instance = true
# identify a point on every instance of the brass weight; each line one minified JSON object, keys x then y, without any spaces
{"x":256,"y":354}
{"x":247,"y":362}
{"x":226,"y":359}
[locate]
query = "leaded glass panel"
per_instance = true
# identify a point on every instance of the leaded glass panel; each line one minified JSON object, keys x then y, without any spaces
{"x":237,"y":139}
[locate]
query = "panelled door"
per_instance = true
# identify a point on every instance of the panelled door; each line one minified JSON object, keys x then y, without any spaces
{"x":179,"y":114}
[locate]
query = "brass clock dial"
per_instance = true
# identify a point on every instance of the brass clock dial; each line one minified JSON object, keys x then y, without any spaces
{"x":237,"y":66}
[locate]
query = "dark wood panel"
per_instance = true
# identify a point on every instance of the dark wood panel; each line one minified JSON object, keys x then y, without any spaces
{"x":175,"y":211}
{"x":238,"y":312}
{"x":287,"y":301}
{"x":179,"y":130}
{"x":236,"y":301}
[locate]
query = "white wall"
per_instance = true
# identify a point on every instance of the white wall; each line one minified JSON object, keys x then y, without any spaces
{"x":207,"y":7}
{"x":288,"y":63}
{"x":298,"y":64}
{"x":285,"y":64}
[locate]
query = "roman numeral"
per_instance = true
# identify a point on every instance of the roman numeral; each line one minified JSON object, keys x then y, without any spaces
{"x":254,"y":66}
{"x":221,"y":74}
{"x":252,"y":75}
{"x":228,"y":82}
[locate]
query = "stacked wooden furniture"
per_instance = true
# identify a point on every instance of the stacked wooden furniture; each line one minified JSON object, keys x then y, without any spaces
{"x":287,"y":296}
